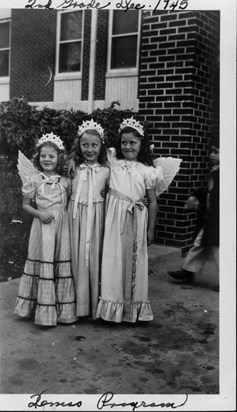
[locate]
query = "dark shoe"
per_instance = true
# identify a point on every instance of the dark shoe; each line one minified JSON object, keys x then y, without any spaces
{"x":182,"y":274}
{"x":216,"y":289}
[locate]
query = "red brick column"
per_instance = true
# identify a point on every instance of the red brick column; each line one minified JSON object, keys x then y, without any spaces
{"x":101,"y":54}
{"x":179,"y":99}
{"x":86,"y":55}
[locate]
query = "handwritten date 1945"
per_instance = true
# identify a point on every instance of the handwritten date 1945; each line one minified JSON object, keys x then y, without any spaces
{"x":125,"y":5}
{"x":171,"y":5}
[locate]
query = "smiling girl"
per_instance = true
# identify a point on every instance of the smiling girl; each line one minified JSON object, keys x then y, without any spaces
{"x":86,"y":214}
{"x":129,"y":227}
{"x":46,"y":287}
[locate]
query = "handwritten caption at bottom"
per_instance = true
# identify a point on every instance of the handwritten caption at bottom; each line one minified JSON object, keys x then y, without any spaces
{"x":104,"y":402}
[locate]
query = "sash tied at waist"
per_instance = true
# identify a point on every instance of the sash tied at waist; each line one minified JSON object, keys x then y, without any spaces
{"x":131,"y":249}
{"x":133,"y":204}
{"x":87,"y":173}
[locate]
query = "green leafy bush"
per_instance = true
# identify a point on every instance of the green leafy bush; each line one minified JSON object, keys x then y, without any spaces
{"x":21,"y":125}
{"x":110,"y":118}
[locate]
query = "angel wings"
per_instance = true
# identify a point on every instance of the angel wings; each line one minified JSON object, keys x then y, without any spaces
{"x":170,"y":167}
{"x":25,"y":167}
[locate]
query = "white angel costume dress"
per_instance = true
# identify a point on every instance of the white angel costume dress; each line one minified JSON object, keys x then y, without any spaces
{"x":46,"y":287}
{"x":86,"y":217}
{"x":124,"y":272}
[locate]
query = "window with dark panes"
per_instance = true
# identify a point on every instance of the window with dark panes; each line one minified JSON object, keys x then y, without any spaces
{"x":124,"y":39}
{"x":70,"y":42}
{"x":4,"y":48}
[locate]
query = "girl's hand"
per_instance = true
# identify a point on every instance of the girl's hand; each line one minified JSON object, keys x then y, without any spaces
{"x":192,"y":203}
{"x":150,"y":237}
{"x":71,"y":167}
{"x":103,"y":193}
{"x":145,"y":201}
{"x":46,"y":217}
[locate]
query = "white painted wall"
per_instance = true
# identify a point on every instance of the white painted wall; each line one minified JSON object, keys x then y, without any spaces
{"x":122,"y":88}
{"x":5,"y":13}
{"x":67,"y":93}
{"x":4,"y":81}
{"x":67,"y":90}
{"x":4,"y":89}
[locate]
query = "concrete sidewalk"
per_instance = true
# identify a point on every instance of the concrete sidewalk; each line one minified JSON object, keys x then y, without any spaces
{"x":176,"y":353}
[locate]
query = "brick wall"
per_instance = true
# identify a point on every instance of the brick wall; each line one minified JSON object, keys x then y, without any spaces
{"x":179,"y":99}
{"x":101,"y":54}
{"x":86,"y":55}
{"x":33,"y":39}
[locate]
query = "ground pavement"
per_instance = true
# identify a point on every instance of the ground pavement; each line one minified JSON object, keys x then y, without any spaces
{"x":176,"y":353}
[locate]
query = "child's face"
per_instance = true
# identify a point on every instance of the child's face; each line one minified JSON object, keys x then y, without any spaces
{"x":214,"y":155}
{"x":48,"y":159}
{"x":130,"y":146}
{"x":90,"y":146}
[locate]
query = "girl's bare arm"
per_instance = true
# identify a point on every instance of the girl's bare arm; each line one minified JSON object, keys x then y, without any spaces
{"x":152,"y":210}
{"x":45,"y":217}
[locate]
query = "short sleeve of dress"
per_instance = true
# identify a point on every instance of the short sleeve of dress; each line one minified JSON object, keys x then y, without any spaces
{"x":29,"y":188}
{"x":154,"y":176}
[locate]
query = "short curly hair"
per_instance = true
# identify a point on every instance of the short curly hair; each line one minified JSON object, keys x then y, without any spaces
{"x":144,"y":155}
{"x":62,"y":157}
{"x":76,"y":154}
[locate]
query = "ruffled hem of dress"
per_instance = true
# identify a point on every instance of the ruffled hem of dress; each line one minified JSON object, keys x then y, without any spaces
{"x":120,"y":312}
{"x":46,"y":315}
{"x":66,"y":312}
{"x":24,"y":307}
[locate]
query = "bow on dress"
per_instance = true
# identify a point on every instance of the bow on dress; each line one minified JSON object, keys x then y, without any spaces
{"x":49,"y":179}
{"x":127,"y":167}
{"x":88,"y":172}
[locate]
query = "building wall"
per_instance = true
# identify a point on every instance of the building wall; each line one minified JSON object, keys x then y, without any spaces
{"x":67,"y":91}
{"x":33,"y":40}
{"x":101,"y":54}
{"x":5,"y":14}
{"x":177,"y":90}
{"x":86,"y":56}
{"x":178,"y":96}
{"x":33,"y":58}
{"x":122,"y":88}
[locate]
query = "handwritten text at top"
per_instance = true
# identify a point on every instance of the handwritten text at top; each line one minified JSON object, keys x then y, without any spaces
{"x":169,"y":5}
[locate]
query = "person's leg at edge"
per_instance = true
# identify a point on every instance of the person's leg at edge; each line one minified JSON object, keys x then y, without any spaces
{"x":194,"y":261}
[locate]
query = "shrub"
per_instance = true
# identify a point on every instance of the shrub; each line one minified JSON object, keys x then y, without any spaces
{"x":21,"y":125}
{"x":110,"y":118}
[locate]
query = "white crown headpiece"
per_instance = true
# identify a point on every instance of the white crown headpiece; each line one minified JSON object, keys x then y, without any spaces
{"x":91,"y":125}
{"x":131,"y":122}
{"x":53,"y":138}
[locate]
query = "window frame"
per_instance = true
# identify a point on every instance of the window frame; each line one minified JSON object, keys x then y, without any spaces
{"x":72,"y":74}
{"x":126,"y":70}
{"x":4,"y":78}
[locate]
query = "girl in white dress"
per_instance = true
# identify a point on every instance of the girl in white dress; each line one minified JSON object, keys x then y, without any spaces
{"x":86,"y":214}
{"x":46,"y":287}
{"x":129,"y":227}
